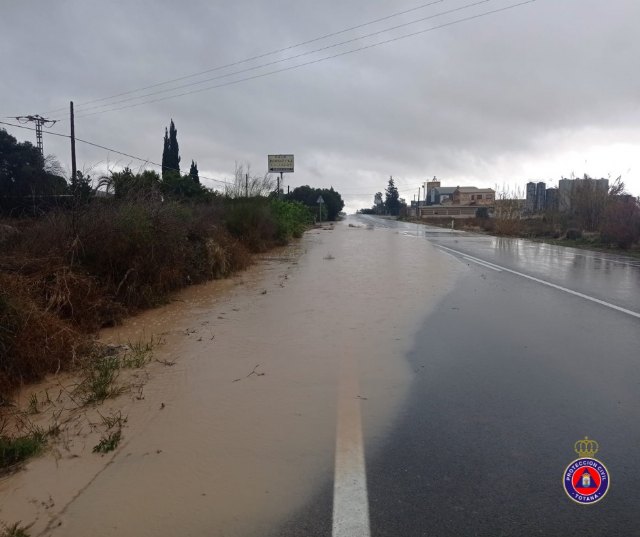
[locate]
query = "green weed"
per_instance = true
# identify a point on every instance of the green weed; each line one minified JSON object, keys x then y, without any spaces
{"x":100,"y":378}
{"x":139,"y":353}
{"x":16,"y":449}
{"x":108,"y":443}
{"x":115,"y":419}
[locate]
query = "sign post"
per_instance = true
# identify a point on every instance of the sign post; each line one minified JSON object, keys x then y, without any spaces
{"x":280,"y":164}
{"x":320,"y":202}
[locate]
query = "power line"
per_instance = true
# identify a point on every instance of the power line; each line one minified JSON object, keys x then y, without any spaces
{"x":112,"y":150}
{"x":259,"y":56}
{"x":282,"y":60}
{"x":319,"y":60}
{"x":33,"y":130}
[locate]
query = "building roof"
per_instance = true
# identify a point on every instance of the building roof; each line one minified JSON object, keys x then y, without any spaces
{"x":445,"y":189}
{"x":473,"y":189}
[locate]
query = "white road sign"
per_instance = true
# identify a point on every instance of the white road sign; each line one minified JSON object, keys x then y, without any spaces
{"x":280,"y":163}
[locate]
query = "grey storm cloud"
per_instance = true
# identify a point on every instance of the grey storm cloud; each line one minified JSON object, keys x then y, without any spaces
{"x":537,"y":91}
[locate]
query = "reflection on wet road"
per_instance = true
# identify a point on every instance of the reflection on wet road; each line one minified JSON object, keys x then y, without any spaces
{"x":509,"y":373}
{"x":608,"y":277}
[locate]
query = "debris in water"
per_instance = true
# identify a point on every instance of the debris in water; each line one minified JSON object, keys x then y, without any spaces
{"x":253,"y":372}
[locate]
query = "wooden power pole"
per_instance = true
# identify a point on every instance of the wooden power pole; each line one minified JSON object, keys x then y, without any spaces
{"x":73,"y":145}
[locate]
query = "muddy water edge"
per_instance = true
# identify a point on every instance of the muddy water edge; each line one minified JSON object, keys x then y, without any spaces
{"x":233,"y":427}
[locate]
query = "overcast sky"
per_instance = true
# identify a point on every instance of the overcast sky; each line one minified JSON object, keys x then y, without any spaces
{"x":537,"y":92}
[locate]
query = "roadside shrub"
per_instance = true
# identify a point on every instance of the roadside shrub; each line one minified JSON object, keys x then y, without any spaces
{"x":138,"y":250}
{"x":72,"y":272}
{"x":33,"y":341}
{"x":508,"y":226}
{"x":573,"y":234}
{"x":487,"y":224}
{"x":15,"y":449}
{"x":292,"y":218}
{"x":537,"y":227}
{"x":252,"y":222}
{"x":621,"y":225}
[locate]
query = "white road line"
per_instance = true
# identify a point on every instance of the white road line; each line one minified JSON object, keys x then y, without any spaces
{"x":544,"y":282}
{"x":350,"y":499}
{"x":487,"y":265}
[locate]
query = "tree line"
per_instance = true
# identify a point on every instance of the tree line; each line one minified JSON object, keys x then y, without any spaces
{"x":392,"y":204}
{"x":29,"y":182}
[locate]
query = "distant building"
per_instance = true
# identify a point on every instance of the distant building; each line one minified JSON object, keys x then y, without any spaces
{"x":442,"y":195}
{"x":471,"y":195}
{"x":530,"y":202}
{"x":437,"y":194}
{"x":567,"y":188}
{"x":454,"y":202}
{"x":551,"y":202}
{"x":541,"y":195}
{"x":536,"y":200}
{"x":429,"y":187}
{"x":448,"y":211}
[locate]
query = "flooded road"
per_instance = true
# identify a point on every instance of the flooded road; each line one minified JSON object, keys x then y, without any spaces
{"x":376,"y":378}
{"x":241,"y":433}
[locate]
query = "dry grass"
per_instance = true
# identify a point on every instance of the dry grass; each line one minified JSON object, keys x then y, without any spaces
{"x":33,"y":341}
{"x":69,"y":273}
{"x":14,"y":530}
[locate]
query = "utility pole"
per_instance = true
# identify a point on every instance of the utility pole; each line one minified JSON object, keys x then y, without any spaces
{"x":73,"y":145}
{"x":39,"y":121}
{"x":246,"y":185}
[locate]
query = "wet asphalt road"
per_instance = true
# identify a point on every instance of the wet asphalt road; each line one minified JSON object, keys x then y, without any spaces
{"x":609,"y":277}
{"x":509,"y":373}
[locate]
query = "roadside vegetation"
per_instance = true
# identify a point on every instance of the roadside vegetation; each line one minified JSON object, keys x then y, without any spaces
{"x":14,"y":530}
{"x":16,"y":449}
{"x":79,"y":255}
{"x":595,"y":219}
{"x":391,"y":205}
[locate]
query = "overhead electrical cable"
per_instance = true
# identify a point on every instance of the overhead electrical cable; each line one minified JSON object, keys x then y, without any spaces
{"x":312,"y":62}
{"x":259,"y":56}
{"x":80,"y":110}
{"x":31,"y":129}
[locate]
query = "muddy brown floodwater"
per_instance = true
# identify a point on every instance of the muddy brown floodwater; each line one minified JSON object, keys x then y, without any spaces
{"x":241,"y":431}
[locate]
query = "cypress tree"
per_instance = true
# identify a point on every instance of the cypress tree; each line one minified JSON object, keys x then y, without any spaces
{"x":193,"y":173}
{"x":165,"y":153}
{"x":392,"y":198}
{"x":170,"y":152}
